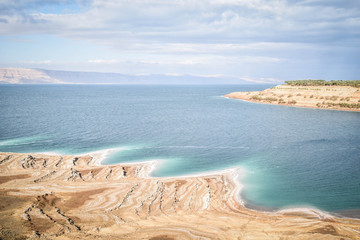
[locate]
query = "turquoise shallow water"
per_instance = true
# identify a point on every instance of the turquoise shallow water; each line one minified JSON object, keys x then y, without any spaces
{"x":291,"y":156}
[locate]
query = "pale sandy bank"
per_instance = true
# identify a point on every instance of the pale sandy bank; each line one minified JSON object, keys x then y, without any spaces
{"x":73,"y":197}
{"x":326,"y":97}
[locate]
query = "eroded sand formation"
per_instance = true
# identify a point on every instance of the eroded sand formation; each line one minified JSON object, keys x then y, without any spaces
{"x":74,"y":197}
{"x":326,"y":97}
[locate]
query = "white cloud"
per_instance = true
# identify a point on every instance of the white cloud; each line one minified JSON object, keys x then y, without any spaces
{"x":260,"y":80}
{"x":41,"y":62}
{"x":174,"y":74}
{"x":227,"y":36}
{"x":104,"y":61}
{"x":184,"y":21}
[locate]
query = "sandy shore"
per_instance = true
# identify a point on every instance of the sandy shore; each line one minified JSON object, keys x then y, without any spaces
{"x":325,"y":97}
{"x":75,"y":197}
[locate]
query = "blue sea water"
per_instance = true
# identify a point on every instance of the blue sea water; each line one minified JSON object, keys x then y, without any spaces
{"x":290,"y":156}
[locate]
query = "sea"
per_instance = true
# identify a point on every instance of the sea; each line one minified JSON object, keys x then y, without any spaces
{"x":288,"y":156}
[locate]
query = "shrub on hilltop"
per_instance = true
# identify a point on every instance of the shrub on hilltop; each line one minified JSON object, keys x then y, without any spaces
{"x":319,"y":82}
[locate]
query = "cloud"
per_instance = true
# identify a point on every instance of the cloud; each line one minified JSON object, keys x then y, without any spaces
{"x":103,"y":61}
{"x":42,"y":62}
{"x":260,"y":80}
{"x":188,"y":21}
{"x":197,"y":36}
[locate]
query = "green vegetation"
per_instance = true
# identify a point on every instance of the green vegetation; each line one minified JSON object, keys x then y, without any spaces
{"x":349,"y":105}
{"x":257,"y":97}
{"x":270,"y":99}
{"x":281,"y":100}
{"x":344,"y":99}
{"x":343,"y":105}
{"x":310,"y":82}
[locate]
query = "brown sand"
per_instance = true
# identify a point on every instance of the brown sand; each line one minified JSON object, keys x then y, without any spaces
{"x":73,"y":197}
{"x":326,"y":97}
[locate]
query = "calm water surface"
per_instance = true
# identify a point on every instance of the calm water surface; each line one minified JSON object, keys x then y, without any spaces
{"x":291,"y":156}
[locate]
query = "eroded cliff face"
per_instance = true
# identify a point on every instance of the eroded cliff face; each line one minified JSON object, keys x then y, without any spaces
{"x":25,"y":75}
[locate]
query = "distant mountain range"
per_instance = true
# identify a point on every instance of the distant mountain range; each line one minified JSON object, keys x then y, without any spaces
{"x":42,"y":76}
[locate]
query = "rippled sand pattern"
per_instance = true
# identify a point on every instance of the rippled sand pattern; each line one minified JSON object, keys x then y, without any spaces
{"x":74,"y":197}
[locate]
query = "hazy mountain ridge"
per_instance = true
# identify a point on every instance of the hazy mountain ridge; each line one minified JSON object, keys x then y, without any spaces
{"x":25,"y":75}
{"x":42,"y":76}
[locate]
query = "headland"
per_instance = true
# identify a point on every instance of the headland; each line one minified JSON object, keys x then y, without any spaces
{"x":308,"y":93}
{"x":75,"y":197}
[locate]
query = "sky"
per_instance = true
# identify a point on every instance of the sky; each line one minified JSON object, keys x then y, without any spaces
{"x":267,"y":40}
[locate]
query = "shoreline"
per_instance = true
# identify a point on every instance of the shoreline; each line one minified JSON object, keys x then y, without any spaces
{"x":233,"y":173}
{"x":291,"y":106}
{"x":68,"y":196}
{"x":315,"y":97}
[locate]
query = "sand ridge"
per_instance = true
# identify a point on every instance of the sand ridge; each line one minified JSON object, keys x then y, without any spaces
{"x":74,"y":197}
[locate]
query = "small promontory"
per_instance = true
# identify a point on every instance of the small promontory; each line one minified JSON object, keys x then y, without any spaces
{"x":337,"y":95}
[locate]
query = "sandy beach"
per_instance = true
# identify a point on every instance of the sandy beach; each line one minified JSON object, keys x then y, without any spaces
{"x":325,"y":97}
{"x":75,"y":197}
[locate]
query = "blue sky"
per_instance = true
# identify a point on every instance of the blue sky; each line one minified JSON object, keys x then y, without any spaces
{"x":260,"y":40}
